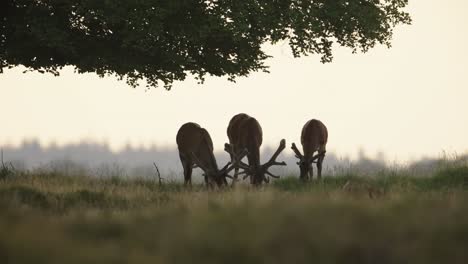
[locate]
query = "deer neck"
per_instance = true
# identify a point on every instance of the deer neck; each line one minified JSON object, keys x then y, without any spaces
{"x":309,"y":152}
{"x":254,"y":158}
{"x":208,"y":160}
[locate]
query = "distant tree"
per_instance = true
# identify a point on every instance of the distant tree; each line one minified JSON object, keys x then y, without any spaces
{"x":161,"y":41}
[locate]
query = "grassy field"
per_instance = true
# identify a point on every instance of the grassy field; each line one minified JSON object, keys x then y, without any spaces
{"x":390,"y":217}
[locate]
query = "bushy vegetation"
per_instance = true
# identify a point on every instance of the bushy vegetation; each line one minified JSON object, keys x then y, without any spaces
{"x":390,"y":217}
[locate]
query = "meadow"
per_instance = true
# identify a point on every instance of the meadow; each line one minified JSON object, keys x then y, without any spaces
{"x":392,"y":216}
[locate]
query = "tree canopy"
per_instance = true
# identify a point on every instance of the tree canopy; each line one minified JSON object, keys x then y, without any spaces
{"x":162,"y":41}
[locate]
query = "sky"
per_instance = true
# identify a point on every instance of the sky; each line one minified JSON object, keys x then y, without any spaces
{"x":407,"y":102}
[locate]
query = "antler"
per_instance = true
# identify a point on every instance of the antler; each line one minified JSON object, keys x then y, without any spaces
{"x":237,"y":158}
{"x":296,"y":151}
{"x":272,"y":160}
{"x":272,"y":175}
{"x":226,"y":166}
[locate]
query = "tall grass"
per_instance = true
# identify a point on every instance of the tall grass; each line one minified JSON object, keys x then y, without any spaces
{"x":390,"y":217}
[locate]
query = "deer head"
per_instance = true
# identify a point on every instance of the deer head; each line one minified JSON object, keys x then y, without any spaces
{"x":213,"y":175}
{"x":305,"y":164}
{"x":258,"y":174}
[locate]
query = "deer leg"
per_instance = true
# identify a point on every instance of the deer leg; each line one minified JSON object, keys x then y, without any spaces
{"x":188,"y":176}
{"x":188,"y":167}
{"x":304,"y":178}
{"x":319,"y":165}
{"x":311,"y":172}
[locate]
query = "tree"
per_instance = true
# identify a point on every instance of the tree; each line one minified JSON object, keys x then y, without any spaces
{"x":161,"y":41}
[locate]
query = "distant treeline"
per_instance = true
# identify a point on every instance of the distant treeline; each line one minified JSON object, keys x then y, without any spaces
{"x":100,"y":160}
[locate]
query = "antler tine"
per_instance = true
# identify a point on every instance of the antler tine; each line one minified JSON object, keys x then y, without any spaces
{"x":272,"y":160}
{"x":242,"y":165}
{"x":230,"y":149}
{"x":226,"y":166}
{"x":243,"y":172}
{"x":243,"y":153}
{"x":296,"y":151}
{"x":237,"y":159}
{"x":272,"y":175}
{"x":229,"y":167}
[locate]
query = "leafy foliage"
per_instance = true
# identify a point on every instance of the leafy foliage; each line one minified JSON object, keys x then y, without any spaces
{"x":163,"y":41}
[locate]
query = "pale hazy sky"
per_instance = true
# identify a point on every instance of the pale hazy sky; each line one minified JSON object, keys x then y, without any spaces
{"x":408,"y":101}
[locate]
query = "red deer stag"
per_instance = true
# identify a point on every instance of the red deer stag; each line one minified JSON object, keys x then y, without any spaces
{"x":314,"y":138}
{"x":196,"y":149}
{"x":245,"y":137}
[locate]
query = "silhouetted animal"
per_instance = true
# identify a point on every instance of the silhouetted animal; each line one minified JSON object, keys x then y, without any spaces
{"x":314,"y":138}
{"x":196,"y":149}
{"x":246,"y":136}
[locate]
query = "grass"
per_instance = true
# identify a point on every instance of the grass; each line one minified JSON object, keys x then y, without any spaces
{"x":390,"y":217}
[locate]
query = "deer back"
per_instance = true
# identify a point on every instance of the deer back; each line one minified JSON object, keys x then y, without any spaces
{"x":245,"y":132}
{"x":193,"y":140}
{"x":233,"y":130}
{"x":314,"y":137}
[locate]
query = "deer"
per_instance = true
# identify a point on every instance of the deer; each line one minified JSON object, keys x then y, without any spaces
{"x":196,"y":150}
{"x":245,"y":138}
{"x":314,"y":138}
